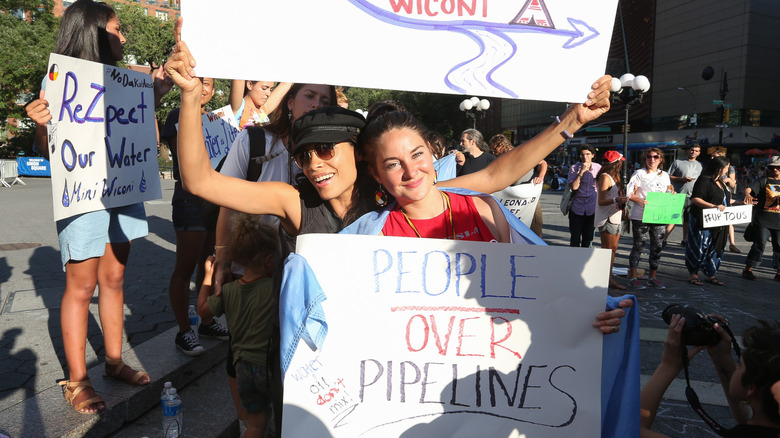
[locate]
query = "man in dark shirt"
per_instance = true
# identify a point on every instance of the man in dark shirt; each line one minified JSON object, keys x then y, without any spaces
{"x":475,"y":151}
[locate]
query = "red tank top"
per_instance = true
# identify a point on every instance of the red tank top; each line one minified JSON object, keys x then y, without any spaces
{"x":468,"y":223}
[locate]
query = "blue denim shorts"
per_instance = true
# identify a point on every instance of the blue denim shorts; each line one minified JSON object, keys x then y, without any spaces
{"x":254,"y":386}
{"x":186,"y":215}
{"x":85,"y":236}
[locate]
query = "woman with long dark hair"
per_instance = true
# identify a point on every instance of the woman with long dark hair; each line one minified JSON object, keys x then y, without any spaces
{"x":704,"y":248}
{"x":609,"y":211}
{"x":94,"y":246}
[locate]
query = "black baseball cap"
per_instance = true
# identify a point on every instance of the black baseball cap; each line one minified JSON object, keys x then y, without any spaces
{"x":331,"y":124}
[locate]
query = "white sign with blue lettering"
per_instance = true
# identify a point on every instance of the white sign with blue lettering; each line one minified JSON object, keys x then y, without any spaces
{"x":500,"y":48}
{"x":219,"y":130}
{"x":102,"y":138}
{"x":442,"y":338}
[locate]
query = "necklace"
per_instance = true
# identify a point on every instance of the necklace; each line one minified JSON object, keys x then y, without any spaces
{"x":451,"y":222}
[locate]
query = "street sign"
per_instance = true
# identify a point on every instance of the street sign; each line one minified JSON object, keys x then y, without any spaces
{"x":717,"y":102}
{"x":728,"y":105}
{"x":598,"y":129}
{"x":722,"y":125}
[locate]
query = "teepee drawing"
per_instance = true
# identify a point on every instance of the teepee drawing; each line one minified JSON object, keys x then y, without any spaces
{"x":534,"y":13}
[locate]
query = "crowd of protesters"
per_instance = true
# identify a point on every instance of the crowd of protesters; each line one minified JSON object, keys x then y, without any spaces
{"x":349,"y":167}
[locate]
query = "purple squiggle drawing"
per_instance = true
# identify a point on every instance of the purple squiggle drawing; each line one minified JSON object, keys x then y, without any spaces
{"x":579,"y":34}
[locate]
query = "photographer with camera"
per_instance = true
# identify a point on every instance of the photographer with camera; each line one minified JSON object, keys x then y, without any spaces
{"x":746,"y":383}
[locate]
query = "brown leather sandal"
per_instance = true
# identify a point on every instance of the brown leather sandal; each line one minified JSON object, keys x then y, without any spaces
{"x":71,"y":390}
{"x":117,"y":370}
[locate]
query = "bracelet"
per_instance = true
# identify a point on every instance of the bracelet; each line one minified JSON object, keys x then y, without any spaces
{"x":216,"y":247}
{"x":566,"y":134}
{"x":614,"y":200}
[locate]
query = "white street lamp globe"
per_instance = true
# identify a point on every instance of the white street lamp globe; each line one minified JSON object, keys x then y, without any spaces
{"x":467,"y":104}
{"x":626,"y":80}
{"x":474,"y":101}
{"x":461,"y":107}
{"x":616,"y":87}
{"x":484,"y":104}
{"x":641,"y":83}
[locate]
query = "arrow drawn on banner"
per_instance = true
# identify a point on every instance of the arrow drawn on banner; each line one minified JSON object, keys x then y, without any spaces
{"x":496,"y":47}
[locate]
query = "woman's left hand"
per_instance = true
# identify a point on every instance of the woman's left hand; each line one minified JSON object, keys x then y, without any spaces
{"x":609,"y":321}
{"x":721,"y":207}
{"x":180,"y":65}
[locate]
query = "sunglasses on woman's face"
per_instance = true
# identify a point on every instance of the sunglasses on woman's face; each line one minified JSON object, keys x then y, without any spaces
{"x":653,"y":157}
{"x":324,"y":151}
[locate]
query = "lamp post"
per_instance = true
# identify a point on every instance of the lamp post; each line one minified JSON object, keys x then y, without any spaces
{"x":629,"y":90}
{"x":695,"y":118}
{"x":474,"y":106}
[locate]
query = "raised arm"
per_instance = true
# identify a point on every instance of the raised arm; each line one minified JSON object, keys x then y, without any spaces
{"x":236,"y":93}
{"x":512,"y":165}
{"x":276,"y":96}
{"x":278,"y":199}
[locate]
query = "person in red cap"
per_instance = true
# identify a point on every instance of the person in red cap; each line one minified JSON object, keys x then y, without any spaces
{"x":609,"y":206}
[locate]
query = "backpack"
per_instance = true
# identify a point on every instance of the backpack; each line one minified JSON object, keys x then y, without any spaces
{"x":209,"y":212}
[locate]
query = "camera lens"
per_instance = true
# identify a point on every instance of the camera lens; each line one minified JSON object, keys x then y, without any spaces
{"x":671,"y":310}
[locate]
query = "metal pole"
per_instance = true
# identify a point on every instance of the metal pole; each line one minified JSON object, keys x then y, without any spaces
{"x":625,"y":145}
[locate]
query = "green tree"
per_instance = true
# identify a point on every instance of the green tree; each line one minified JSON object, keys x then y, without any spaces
{"x":25,"y":44}
{"x":149,"y":39}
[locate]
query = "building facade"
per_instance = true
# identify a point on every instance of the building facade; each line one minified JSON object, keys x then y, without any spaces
{"x":166,"y":10}
{"x":711,"y":66}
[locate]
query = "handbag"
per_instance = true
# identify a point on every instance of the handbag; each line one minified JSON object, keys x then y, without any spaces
{"x":566,"y":200}
{"x":750,"y":232}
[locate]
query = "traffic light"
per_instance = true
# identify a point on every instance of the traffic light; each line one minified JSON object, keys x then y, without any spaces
{"x":725,"y":115}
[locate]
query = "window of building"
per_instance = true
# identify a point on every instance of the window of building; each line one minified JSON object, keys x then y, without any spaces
{"x":162,"y":15}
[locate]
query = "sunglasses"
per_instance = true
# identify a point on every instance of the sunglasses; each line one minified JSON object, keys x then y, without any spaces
{"x":653,"y":157}
{"x":324,"y":151}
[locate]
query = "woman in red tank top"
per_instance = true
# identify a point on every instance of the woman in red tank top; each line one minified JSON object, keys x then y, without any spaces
{"x":400,"y":161}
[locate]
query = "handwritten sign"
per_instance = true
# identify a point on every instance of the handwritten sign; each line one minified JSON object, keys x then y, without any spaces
{"x":441,"y":338}
{"x":664,"y":208}
{"x":219,"y":130}
{"x":521,"y":200}
{"x":102,"y":138}
{"x":738,"y":214}
{"x":499,"y":48}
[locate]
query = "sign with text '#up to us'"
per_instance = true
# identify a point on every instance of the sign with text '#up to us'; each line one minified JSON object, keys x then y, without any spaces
{"x":102,"y":138}
{"x":501,"y":48}
{"x":430,"y":338}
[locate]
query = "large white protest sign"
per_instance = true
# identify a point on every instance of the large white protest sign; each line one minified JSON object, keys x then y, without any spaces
{"x":530,"y":49}
{"x":738,"y":214}
{"x":219,"y":130}
{"x":433,"y":338}
{"x":102,"y":138}
{"x":521,"y":200}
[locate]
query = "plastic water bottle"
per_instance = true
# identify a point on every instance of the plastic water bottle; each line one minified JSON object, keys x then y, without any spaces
{"x":166,"y":388}
{"x":172,"y":417}
{"x":192,"y":314}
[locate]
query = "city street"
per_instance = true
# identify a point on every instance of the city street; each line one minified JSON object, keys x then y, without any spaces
{"x":31,"y":282}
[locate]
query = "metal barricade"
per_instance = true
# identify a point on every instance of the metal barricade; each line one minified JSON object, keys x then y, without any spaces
{"x":10,"y":169}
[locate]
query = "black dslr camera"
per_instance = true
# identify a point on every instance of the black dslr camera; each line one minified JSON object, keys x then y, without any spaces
{"x":698,"y":329}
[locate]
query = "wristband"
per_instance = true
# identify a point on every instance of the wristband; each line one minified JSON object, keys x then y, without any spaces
{"x":566,"y":134}
{"x":614,"y":200}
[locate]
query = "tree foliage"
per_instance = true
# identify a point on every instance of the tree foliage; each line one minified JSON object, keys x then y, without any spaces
{"x":438,"y":112}
{"x":25,"y":45}
{"x":149,"y":39}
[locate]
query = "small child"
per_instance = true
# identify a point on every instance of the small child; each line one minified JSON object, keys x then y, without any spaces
{"x":250,"y":307}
